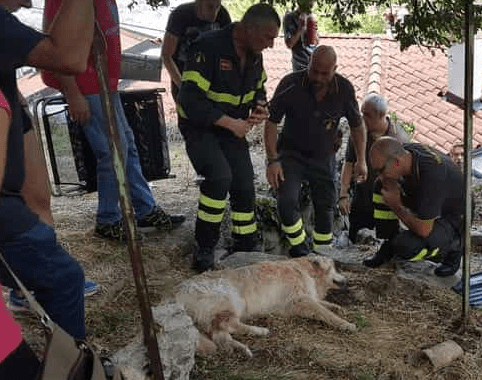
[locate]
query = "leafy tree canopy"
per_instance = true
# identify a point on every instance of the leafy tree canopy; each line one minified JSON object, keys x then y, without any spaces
{"x":431,"y":23}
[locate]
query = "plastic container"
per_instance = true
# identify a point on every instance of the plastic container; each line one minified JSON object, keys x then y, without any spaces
{"x":311,"y":29}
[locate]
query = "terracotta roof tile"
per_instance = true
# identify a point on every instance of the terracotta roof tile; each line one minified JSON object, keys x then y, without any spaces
{"x":410,"y":80}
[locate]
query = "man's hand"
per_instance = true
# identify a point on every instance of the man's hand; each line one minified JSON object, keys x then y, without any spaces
{"x":360,"y":171}
{"x":79,"y":109}
{"x":344,"y":205}
{"x":240,"y":127}
{"x":274,"y":174}
{"x":259,"y":114}
{"x":391,"y":194}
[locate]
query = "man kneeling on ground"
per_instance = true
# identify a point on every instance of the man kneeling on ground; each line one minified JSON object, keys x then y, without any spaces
{"x":425,"y":190}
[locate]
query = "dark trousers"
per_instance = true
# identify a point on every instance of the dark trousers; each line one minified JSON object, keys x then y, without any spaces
{"x":361,"y":211}
{"x":225,"y":163}
{"x":444,"y":243}
{"x":21,"y":364}
{"x":46,"y":268}
{"x":322,"y":192}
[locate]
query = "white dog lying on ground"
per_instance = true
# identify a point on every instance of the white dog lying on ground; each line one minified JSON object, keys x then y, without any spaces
{"x":218,"y":301}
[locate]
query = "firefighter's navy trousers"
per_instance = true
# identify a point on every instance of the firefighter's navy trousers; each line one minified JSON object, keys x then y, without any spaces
{"x":225,"y":163}
{"x":323,"y":193}
{"x":444,"y":240}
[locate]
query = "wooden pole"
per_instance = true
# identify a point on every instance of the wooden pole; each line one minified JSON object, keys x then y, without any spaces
{"x":149,"y":328}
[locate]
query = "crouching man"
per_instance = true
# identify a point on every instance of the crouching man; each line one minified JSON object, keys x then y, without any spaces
{"x":425,"y":190}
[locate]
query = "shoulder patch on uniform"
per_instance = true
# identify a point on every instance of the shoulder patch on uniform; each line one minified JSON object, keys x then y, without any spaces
{"x":225,"y":64}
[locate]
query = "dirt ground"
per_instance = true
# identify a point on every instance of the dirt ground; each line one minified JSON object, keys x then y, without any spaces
{"x":396,"y":318}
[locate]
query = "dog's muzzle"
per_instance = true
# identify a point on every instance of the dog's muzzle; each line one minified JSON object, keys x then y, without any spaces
{"x":341,"y":282}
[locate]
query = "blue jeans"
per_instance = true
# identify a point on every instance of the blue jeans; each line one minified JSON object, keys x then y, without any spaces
{"x":108,"y":210}
{"x":46,"y":268}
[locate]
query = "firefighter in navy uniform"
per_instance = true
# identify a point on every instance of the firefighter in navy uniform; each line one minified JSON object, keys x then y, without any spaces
{"x":312,"y":101}
{"x":424,"y":189}
{"x":221,"y":99}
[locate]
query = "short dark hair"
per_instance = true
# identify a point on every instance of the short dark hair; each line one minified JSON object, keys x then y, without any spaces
{"x":261,"y":13}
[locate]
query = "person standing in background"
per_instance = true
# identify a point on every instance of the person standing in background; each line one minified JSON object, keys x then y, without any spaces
{"x":297,"y":35}
{"x":83,"y":96}
{"x":184,"y":25}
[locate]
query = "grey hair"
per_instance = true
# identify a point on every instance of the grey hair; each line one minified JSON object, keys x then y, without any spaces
{"x":378,"y":102}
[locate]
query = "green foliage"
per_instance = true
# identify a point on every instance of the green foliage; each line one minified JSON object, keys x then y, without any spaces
{"x":236,"y":8}
{"x":408,"y":127}
{"x":434,"y":23}
{"x":431,"y":23}
{"x":372,"y":22}
{"x":365,"y":23}
{"x":361,"y":321}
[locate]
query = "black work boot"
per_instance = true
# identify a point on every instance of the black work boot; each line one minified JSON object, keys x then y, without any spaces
{"x":203,"y":259}
{"x":450,"y":264}
{"x":300,"y":250}
{"x":384,"y":255}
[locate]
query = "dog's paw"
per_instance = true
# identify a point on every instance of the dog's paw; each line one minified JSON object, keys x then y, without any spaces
{"x":350,"y":327}
{"x":248,"y":353}
{"x":260,"y":331}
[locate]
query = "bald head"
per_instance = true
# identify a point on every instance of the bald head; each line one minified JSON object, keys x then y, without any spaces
{"x":322,"y":66}
{"x":386,"y":147}
{"x":325,"y":53}
{"x":384,"y":150}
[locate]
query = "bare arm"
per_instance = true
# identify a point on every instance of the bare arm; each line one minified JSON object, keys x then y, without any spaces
{"x":270,"y":140}
{"x":346,"y":176}
{"x":169,"y":47}
{"x":420,"y":227}
{"x":291,"y":41}
{"x":345,"y":181}
{"x":67,"y":47}
{"x":359,"y":138}
{"x":391,"y":197}
{"x":274,"y":171}
{"x":78,"y":106}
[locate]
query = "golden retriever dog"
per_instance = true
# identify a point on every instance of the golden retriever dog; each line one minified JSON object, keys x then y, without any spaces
{"x":219,"y":301}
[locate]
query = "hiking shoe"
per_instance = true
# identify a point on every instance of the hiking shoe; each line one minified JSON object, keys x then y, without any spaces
{"x":17,"y":302}
{"x":159,"y":219}
{"x":114,"y":231}
{"x":90,"y":288}
{"x":203,"y":259}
